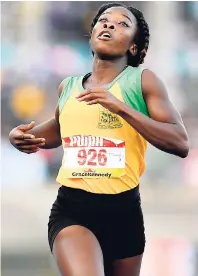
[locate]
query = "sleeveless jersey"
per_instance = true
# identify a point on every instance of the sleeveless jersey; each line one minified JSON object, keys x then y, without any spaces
{"x":102,"y":152}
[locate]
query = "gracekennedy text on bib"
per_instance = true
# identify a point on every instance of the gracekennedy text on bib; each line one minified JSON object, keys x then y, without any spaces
{"x":93,"y":157}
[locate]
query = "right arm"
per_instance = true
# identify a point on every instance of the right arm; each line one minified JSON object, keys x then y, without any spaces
{"x":30,"y":139}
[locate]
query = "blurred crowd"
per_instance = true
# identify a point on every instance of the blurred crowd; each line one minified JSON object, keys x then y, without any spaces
{"x":44,"y":42}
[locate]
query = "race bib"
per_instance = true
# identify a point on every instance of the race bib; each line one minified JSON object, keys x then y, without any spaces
{"x":93,"y":157}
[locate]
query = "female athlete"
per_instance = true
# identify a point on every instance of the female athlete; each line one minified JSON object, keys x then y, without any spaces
{"x":103,"y":121}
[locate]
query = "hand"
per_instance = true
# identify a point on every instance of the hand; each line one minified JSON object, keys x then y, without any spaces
{"x":24,"y":141}
{"x":100,"y":96}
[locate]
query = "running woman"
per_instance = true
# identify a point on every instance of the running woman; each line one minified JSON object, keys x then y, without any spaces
{"x":103,"y":121}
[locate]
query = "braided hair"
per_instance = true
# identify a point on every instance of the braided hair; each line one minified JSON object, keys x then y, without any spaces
{"x":141,"y":38}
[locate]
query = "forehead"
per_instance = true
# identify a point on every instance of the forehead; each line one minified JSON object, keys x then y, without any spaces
{"x":121,"y":11}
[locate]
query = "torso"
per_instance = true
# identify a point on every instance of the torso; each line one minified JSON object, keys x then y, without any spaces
{"x":102,"y":152}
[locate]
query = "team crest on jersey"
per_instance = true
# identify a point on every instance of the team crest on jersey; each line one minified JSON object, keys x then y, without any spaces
{"x":108,"y":120}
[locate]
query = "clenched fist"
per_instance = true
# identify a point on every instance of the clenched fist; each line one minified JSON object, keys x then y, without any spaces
{"x":23,"y":141}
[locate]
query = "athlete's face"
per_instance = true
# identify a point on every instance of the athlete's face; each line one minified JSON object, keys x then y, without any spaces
{"x":113,"y":34}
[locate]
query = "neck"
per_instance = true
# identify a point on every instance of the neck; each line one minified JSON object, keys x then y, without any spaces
{"x":105,"y":71}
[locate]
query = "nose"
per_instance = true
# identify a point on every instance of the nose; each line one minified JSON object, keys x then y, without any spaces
{"x":109,"y":25}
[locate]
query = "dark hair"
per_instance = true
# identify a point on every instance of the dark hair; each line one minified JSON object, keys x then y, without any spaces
{"x":141,"y":38}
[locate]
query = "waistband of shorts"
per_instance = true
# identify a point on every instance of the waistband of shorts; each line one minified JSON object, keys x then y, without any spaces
{"x":80,"y":195}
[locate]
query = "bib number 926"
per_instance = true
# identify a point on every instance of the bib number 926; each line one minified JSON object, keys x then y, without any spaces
{"x":92,"y":157}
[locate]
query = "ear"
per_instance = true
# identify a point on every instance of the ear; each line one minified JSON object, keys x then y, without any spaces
{"x":133,"y":49}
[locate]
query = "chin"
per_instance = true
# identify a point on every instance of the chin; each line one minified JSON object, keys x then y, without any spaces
{"x":106,"y":53}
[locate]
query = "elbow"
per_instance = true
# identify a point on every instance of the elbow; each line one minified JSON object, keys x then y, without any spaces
{"x":184,"y":152}
{"x":183,"y":148}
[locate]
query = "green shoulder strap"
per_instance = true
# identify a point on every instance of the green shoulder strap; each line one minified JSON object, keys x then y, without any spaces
{"x":131,"y":86}
{"x":69,"y":83}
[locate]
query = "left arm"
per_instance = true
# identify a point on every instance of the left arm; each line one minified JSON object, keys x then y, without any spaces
{"x":165,"y":129}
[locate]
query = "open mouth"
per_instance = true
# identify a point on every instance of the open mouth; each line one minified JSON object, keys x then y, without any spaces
{"x":104,"y":36}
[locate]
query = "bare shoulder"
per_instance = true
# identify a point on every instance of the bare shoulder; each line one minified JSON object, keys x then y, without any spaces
{"x":153,"y":85}
{"x":60,"y":88}
{"x":157,"y":100}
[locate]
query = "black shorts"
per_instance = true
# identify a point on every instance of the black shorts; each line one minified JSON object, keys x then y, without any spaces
{"x":116,"y":220}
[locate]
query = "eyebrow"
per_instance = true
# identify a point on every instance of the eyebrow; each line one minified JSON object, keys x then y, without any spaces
{"x":127,"y":17}
{"x":122,"y":15}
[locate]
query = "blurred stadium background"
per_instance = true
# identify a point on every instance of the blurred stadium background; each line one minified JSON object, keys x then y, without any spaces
{"x":42,"y":43}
